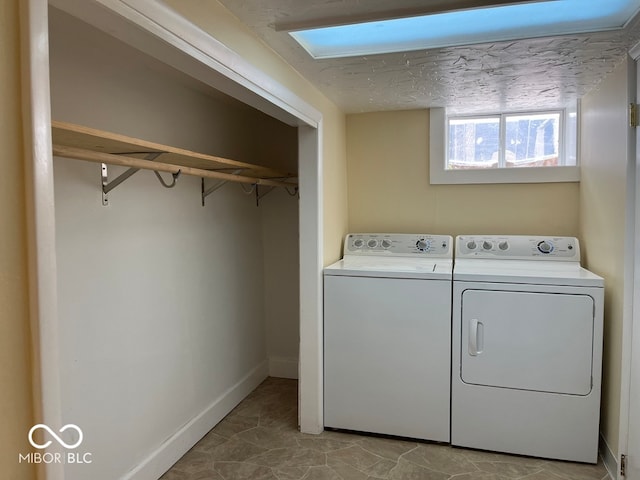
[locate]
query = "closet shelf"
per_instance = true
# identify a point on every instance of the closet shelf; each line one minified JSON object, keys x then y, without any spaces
{"x":84,"y":143}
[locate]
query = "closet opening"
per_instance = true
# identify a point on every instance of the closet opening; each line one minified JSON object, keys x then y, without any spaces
{"x":169,"y":311}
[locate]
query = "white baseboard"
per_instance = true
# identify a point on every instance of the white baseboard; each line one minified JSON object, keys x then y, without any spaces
{"x":283,"y":367}
{"x":608,"y":458}
{"x":159,"y":461}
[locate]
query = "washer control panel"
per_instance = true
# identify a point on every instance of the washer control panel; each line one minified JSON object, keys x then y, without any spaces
{"x":518,"y":247}
{"x":399,"y":244}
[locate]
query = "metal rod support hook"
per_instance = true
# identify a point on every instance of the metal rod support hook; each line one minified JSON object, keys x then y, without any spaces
{"x":168,"y":185}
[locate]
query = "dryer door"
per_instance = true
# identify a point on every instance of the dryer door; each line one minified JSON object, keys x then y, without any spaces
{"x":527,"y":340}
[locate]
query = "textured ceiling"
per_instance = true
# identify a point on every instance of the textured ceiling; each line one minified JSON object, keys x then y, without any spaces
{"x":514,"y":75}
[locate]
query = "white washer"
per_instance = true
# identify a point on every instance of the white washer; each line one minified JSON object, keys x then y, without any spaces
{"x":387,"y":336}
{"x":527,"y":347}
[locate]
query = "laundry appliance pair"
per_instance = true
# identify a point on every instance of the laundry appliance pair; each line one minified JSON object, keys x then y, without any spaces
{"x":501,"y":351}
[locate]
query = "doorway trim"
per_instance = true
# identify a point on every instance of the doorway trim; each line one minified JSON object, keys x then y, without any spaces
{"x":629,"y":436}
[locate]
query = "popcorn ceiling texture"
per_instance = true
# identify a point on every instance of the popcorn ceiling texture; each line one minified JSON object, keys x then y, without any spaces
{"x":511,"y":75}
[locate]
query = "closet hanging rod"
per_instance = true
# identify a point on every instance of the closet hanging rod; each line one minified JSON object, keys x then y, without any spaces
{"x":122,"y":160}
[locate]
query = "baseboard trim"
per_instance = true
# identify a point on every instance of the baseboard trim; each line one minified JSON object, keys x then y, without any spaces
{"x":283,"y":367}
{"x":608,"y":458}
{"x":160,"y":460}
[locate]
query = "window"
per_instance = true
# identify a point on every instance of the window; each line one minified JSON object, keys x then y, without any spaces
{"x":504,"y":148}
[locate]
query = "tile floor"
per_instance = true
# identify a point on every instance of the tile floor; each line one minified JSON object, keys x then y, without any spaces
{"x":259,"y":440}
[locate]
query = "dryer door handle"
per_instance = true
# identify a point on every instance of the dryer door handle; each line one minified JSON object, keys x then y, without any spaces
{"x":476,"y":337}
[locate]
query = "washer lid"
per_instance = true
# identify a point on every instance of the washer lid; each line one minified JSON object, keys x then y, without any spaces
{"x":392,"y":267}
{"x":527,"y":272}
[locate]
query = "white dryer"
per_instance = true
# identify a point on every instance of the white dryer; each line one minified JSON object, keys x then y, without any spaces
{"x":527,"y":347}
{"x":387,"y":336}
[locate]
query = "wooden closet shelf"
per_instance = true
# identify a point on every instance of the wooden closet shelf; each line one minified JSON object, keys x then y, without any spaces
{"x":84,"y":143}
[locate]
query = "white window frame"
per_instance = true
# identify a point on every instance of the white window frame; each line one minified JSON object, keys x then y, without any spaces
{"x":438,"y":174}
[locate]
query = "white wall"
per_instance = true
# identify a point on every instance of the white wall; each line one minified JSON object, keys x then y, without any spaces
{"x":281,"y":289}
{"x":162,"y":301}
{"x":603,"y":190}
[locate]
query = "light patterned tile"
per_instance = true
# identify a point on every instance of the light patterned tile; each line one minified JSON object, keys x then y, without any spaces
{"x":290,"y":457}
{"x":173,"y":474}
{"x":355,"y":456}
{"x":207,"y":474}
{"x":543,"y":475}
{"x":440,"y":458}
{"x":243,"y":471}
{"x":346,"y":472}
{"x":577,"y":471}
{"x":323,"y":444}
{"x":321,"y":473}
{"x":483,"y":456}
{"x":406,"y":470}
{"x":210,"y":441}
{"x":193,"y":461}
{"x":290,"y":473}
{"x":248,"y":408}
{"x":381,"y":469}
{"x":508,"y":469}
{"x":352,"y":437}
{"x":480,"y":476}
{"x":280,"y":418}
{"x":268,"y":438}
{"x":231,"y":425}
{"x":235,"y":450}
{"x":386,"y":448}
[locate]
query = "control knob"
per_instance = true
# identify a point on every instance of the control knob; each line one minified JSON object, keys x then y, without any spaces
{"x":545,"y":247}
{"x":423,"y":244}
{"x":358,"y":243}
{"x":373,"y":243}
{"x":503,"y":245}
{"x":386,"y":243}
{"x":487,"y":245}
{"x":471,"y":245}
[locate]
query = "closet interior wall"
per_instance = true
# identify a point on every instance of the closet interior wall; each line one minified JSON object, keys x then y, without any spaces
{"x":166,"y":307}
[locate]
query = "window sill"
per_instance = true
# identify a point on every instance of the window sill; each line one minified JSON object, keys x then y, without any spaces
{"x":505,"y":175}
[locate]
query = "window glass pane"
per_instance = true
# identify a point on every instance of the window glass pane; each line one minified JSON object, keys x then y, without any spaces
{"x":473,"y":143}
{"x":532,"y":140}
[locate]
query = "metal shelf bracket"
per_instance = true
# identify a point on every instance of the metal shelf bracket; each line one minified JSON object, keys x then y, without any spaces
{"x":205,"y":192}
{"x":260,"y":195}
{"x":107,"y":185}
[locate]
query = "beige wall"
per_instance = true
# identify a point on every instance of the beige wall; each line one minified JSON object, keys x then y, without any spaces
{"x":389,"y":190}
{"x":602,"y":223}
{"x":15,"y":376}
{"x":222,"y":25}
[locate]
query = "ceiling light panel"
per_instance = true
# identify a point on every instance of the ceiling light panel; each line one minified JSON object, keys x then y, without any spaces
{"x":328,"y":15}
{"x":467,"y":27}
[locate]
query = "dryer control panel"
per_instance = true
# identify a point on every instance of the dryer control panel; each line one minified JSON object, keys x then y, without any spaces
{"x":518,"y":247}
{"x":399,"y":244}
